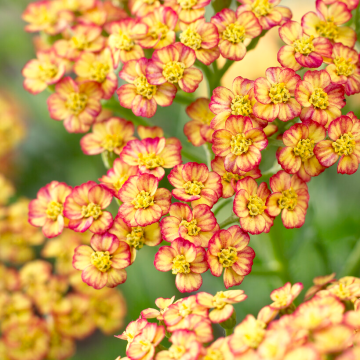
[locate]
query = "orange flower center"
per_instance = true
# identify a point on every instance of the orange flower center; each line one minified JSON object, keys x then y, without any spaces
{"x":173,"y":71}
{"x":241,"y":105}
{"x":240,"y":144}
{"x":53,"y":210}
{"x":143,"y":200}
{"x":176,"y":351}
{"x":279,"y":93}
{"x":304,"y":45}
{"x":76,"y":102}
{"x":159,"y":30}
{"x":213,"y":354}
{"x":319,"y":99}
{"x":136,"y":238}
{"x":262,"y":7}
{"x":345,"y":144}
{"x":256,"y":205}
{"x":101,"y":260}
{"x":305,"y":149}
{"x":120,"y":182}
{"x":121,"y":41}
{"x":229,"y":176}
{"x":99,"y":71}
{"x":235,"y":33}
{"x":79,"y":42}
{"x":344,"y":66}
{"x":111,"y":142}
{"x":328,"y":29}
{"x":151,"y":161}
{"x":91,"y":210}
{"x":288,"y":199}
{"x":180,"y":265}
{"x":191,"y":227}
{"x":227,"y":257}
{"x":191,"y":39}
{"x":193,"y":187}
{"x":47,"y":71}
{"x":143,"y":88}
{"x":219,"y":300}
{"x":187,"y":4}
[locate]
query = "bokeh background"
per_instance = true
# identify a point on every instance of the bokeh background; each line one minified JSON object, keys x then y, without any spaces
{"x":328,"y":242}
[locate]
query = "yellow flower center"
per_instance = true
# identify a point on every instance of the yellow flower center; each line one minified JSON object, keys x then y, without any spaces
{"x":254,"y":334}
{"x":304,"y":45}
{"x":173,"y":71}
{"x":143,"y":88}
{"x":46,"y":17}
{"x":305,"y":149}
{"x":136,"y":238}
{"x":193,"y":187}
{"x":279,"y":93}
{"x":91,"y":210}
{"x":121,"y":41}
{"x":344,"y":66}
{"x":229,"y":176}
{"x":262,"y":7}
{"x":76,"y":102}
{"x":151,"y":161}
{"x":159,"y":30}
{"x":187,"y":4}
{"x":47,"y":71}
{"x":145,"y":345}
{"x":111,"y":142}
{"x":213,"y":354}
{"x":342,"y":291}
{"x":176,"y":351}
{"x":191,"y":39}
{"x":234,"y":33}
{"x":288,"y":199}
{"x":101,"y":260}
{"x":240,"y":144}
{"x":99,"y":71}
{"x":191,"y":226}
{"x":345,"y":144}
{"x":120,"y":182}
{"x":149,"y":2}
{"x":219,"y":300}
{"x":180,"y":265}
{"x":256,"y":205}
{"x":143,"y":200}
{"x":28,"y":341}
{"x":184,"y":310}
{"x":241,"y":105}
{"x":328,"y":29}
{"x":319,"y":99}
{"x":53,"y":210}
{"x":79,"y":42}
{"x":227,"y":256}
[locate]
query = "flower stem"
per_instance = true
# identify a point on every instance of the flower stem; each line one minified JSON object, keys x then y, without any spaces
{"x":222,"y":204}
{"x":208,"y":153}
{"x":230,"y":220}
{"x":229,"y":332}
{"x":352,"y":264}
{"x":274,"y":142}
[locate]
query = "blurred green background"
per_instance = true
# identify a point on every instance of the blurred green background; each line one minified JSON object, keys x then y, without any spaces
{"x":328,"y":242}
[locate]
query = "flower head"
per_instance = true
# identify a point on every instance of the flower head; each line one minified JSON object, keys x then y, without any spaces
{"x":189,"y":11}
{"x":140,"y":8}
{"x":162,"y":304}
{"x":351,"y":4}
{"x":133,"y":329}
{"x":320,"y":282}
{"x":285,"y":295}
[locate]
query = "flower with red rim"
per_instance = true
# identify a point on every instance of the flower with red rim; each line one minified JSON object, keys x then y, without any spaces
{"x":249,"y":206}
{"x":188,"y":11}
{"x":325,"y":23}
{"x":139,"y":96}
{"x":301,"y":50}
{"x":97,"y":15}
{"x":221,"y":302}
{"x":298,"y":154}
{"x":203,"y":38}
{"x":133,"y":329}
{"x":197,"y":225}
{"x":344,"y":143}
{"x":137,"y":236}
{"x":151,"y":156}
{"x":320,"y":283}
{"x":285,"y":295}
{"x":351,"y":4}
{"x":234,"y":29}
{"x":117,"y":176}
{"x":47,"y":209}
{"x":103,"y":263}
{"x":110,"y":135}
{"x":239,"y":143}
{"x":201,"y":326}
{"x":229,"y":179}
{"x":186,"y":261}
{"x":193,"y":182}
{"x":46,"y":70}
{"x":344,"y":68}
{"x":161,"y":25}
{"x":154,"y":132}
{"x":228,"y":251}
{"x":275,"y":95}
{"x":84,"y":207}
{"x":290,"y":197}
{"x":143,"y":203}
{"x":78,"y":104}
{"x":140,"y":8}
{"x":220,"y":347}
{"x":162,"y":304}
{"x":321,"y":100}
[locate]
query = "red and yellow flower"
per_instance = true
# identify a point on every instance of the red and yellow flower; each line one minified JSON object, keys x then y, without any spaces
{"x":234,"y":29}
{"x":197,"y":225}
{"x":140,"y":8}
{"x":320,"y":282}
{"x":186,"y":261}
{"x":298,"y":154}
{"x":139,"y":96}
{"x":290,"y":197}
{"x":143,"y":203}
{"x":150,"y":132}
{"x":351,"y":4}
{"x":321,"y":100}
{"x":240,"y":144}
{"x":85,"y":208}
{"x":103,"y":263}
{"x":133,"y":329}
{"x":188,"y":11}
{"x":201,"y":326}
{"x":344,"y":143}
{"x":219,"y":348}
{"x":194,"y":183}
{"x":249,"y":206}
{"x":228,"y":251}
{"x":162,"y":304}
{"x":47,"y":209}
{"x":284,"y":296}
{"x":78,"y":104}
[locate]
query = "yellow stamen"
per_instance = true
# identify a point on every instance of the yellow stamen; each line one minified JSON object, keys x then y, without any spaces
{"x":213,"y":354}
{"x":143,"y":88}
{"x":193,"y":187}
{"x":143,"y":200}
{"x":235,"y":33}
{"x":176,"y":351}
{"x":319,"y":99}
{"x":121,"y":41}
{"x":101,"y":260}
{"x":187,"y":4}
{"x":305,"y":149}
{"x":159,"y":30}
{"x":79,"y":42}
{"x":345,"y":144}
{"x":229,"y":176}
{"x":262,"y":7}
{"x":279,"y":93}
{"x":288,"y":199}
{"x":151,"y":161}
{"x":91,"y":210}
{"x":99,"y":71}
{"x":191,"y":39}
{"x":227,"y":257}
{"x":328,"y":29}
{"x":304,"y":45}
{"x":192,"y":227}
{"x":241,"y":105}
{"x":240,"y":144}
{"x":47,"y":71}
{"x":344,"y":66}
{"x":76,"y":102}
{"x":53,"y":210}
{"x":180,"y":265}
{"x":136,"y":238}
{"x":111,"y":142}
{"x":256,"y":205}
{"x":173,"y":71}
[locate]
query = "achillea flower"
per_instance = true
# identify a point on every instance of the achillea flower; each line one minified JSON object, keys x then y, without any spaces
{"x":116,"y":177}
{"x":346,"y":288}
{"x":321,"y":100}
{"x":290,"y":197}
{"x":201,"y":326}
{"x":78,"y":104}
{"x":203,"y":38}
{"x":219,"y":348}
{"x":249,"y":206}
{"x":297,"y":157}
{"x":139,"y":96}
{"x":275,"y":95}
{"x":103,"y":263}
{"x":240,"y":144}
{"x":221,"y":302}
{"x":153,"y":132}
{"x":143,"y":203}
{"x":197,"y":225}
{"x":133,"y":329}
{"x":162,"y":304}
{"x":228,"y":250}
{"x":320,"y":282}
{"x":151,"y":156}
{"x":85,"y":208}
{"x":284,"y":296}
{"x":194,"y":183}
{"x":140,"y":8}
{"x":351,"y":4}
{"x":344,"y":143}
{"x":301,"y":50}
{"x":161,"y":23}
{"x":186,"y":261}
{"x":326,"y":23}
{"x":47,"y":209}
{"x":109,"y":135}
{"x":46,"y":70}
{"x":188,"y":11}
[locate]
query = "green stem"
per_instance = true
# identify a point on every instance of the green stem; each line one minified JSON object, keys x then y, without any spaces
{"x":106,"y":159}
{"x":255,"y":41}
{"x":230,"y":220}
{"x":229,"y":332}
{"x":274,"y":142}
{"x":184,"y":100}
{"x":208,"y":74}
{"x":190,"y":156}
{"x":352,"y":263}
{"x":273,"y":170}
{"x":222,"y":204}
{"x":209,"y":154}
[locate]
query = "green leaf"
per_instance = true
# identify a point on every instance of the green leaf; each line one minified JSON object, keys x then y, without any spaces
{"x":218,"y":5}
